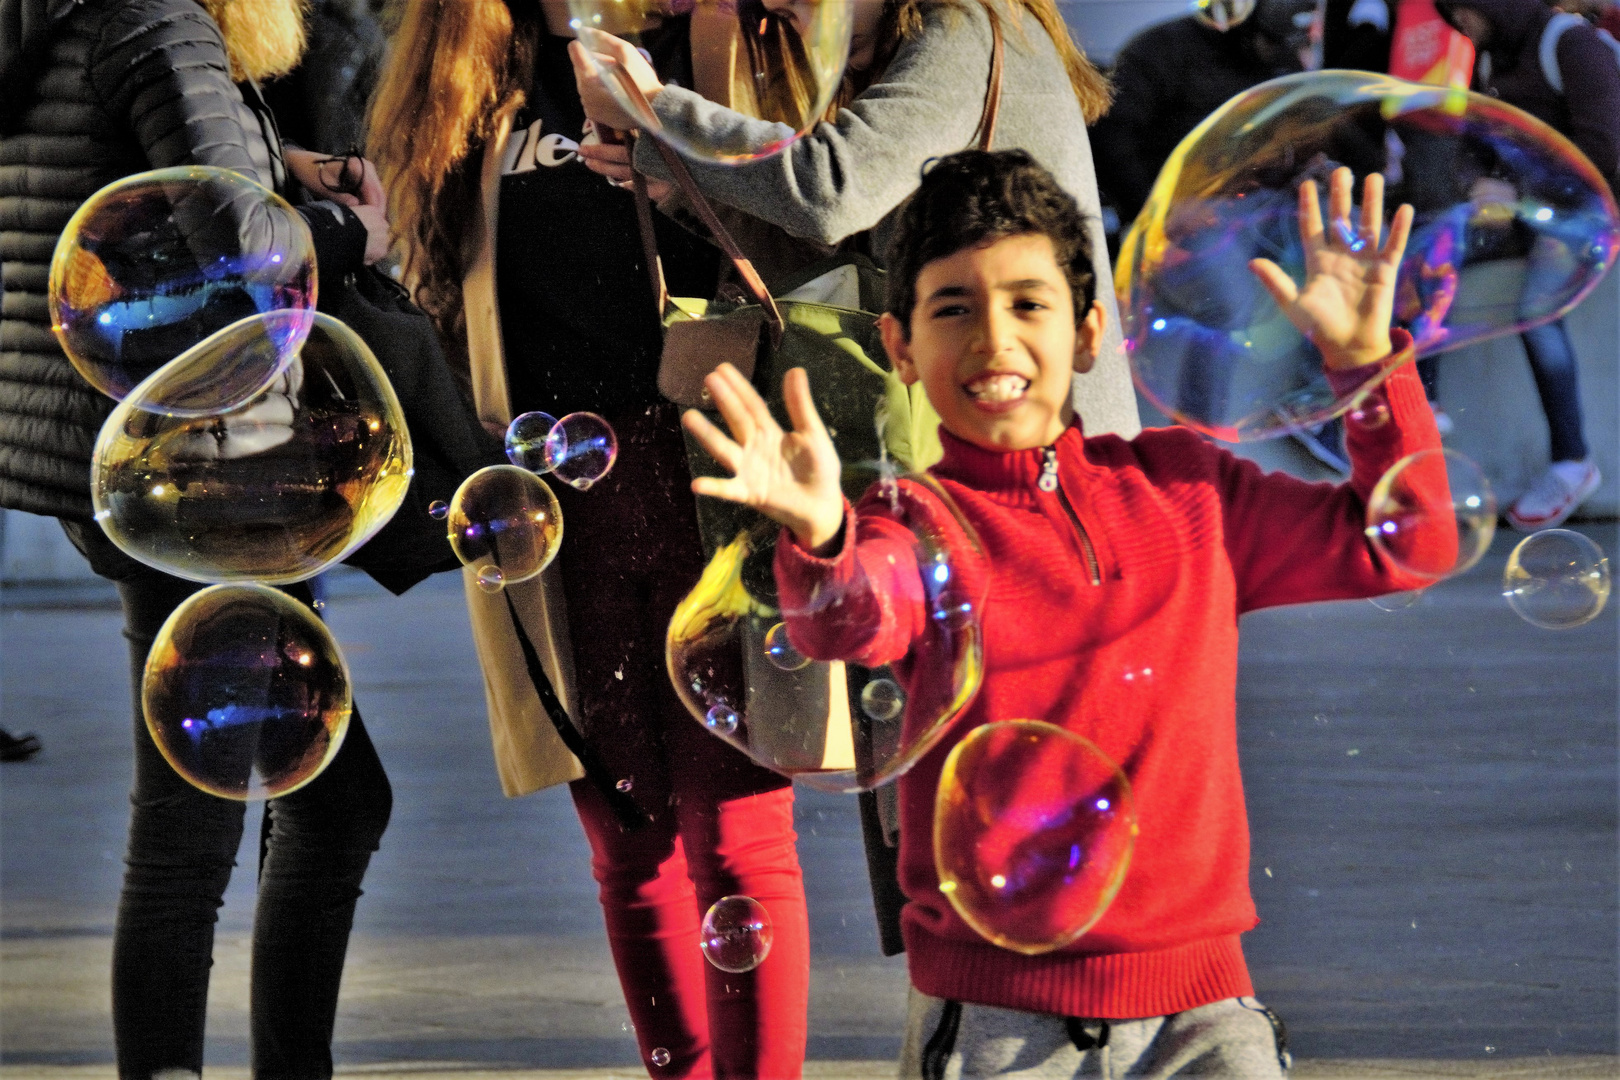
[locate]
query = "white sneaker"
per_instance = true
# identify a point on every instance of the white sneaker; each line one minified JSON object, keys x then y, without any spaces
{"x":1550,"y":500}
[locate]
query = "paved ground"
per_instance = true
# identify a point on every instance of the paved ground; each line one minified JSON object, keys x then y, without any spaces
{"x":1433,"y":795}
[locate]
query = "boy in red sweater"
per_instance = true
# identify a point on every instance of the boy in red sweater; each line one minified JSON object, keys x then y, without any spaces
{"x":1101,"y":560}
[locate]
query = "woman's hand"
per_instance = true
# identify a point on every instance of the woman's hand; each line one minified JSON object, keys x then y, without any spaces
{"x":790,"y":477}
{"x":611,"y":58}
{"x":611,"y":159}
{"x":1349,"y":294}
{"x":351,"y":181}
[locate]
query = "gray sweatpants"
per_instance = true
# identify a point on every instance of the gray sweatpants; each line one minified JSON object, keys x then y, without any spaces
{"x":1236,"y":1038}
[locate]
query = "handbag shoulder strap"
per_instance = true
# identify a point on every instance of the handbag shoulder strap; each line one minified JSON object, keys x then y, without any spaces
{"x":983,"y":136}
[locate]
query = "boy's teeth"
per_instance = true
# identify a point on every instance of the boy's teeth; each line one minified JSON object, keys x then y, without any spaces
{"x":998,"y":387}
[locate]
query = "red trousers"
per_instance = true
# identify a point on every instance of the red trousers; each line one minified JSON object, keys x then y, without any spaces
{"x":719,"y":826}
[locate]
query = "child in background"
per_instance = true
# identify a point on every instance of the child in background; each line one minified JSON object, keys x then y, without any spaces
{"x":1099,"y":557}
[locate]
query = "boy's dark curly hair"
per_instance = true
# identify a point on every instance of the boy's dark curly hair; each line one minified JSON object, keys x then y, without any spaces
{"x":976,"y":197}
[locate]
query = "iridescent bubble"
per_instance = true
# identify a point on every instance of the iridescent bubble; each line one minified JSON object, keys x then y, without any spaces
{"x":154,"y":263}
{"x":736,"y":934}
{"x":779,"y":63}
{"x":882,"y":699}
{"x":1033,"y":832}
{"x":625,"y":786}
{"x":801,"y":721}
{"x":438,"y":509}
{"x":1514,"y":227}
{"x":526,"y":441}
{"x":245,"y":692}
{"x":780,"y":651}
{"x":1402,"y":510}
{"x":1556,"y":579}
{"x":274,"y":490}
{"x":505,"y":519}
{"x":659,"y":1056}
{"x":581,"y":449}
{"x":490,"y":579}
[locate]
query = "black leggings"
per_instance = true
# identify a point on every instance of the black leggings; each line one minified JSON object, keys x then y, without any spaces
{"x":182,"y":847}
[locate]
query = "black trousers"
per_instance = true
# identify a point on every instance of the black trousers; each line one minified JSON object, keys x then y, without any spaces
{"x":182,"y":848}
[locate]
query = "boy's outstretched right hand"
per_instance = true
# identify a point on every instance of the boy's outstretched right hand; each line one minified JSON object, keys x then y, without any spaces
{"x":790,"y":477}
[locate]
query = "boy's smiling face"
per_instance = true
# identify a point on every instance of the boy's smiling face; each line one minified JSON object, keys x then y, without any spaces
{"x":994,"y":342}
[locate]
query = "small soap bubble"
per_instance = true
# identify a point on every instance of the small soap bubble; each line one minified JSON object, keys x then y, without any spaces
{"x":245,"y":692}
{"x":274,"y":490}
{"x":882,"y":699}
{"x":1402,"y":510}
{"x":1033,"y":832}
{"x":152,"y":264}
{"x":1211,"y":348}
{"x":505,"y":519}
{"x":625,"y":786}
{"x":736,"y":934}
{"x":786,"y":62}
{"x":721,"y":719}
{"x":1557,"y":579}
{"x":490,"y":579}
{"x":659,"y":1056}
{"x":438,"y":509}
{"x":780,"y":651}
{"x":580,"y":449}
{"x":526,"y":441}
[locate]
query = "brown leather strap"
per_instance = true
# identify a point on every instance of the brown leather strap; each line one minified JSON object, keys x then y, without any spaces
{"x":985,"y":134}
{"x":644,"y":225}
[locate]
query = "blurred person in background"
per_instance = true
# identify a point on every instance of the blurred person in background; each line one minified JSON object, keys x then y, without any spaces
{"x":1603,"y":14}
{"x":321,"y":104}
{"x":1562,"y":71}
{"x":1356,"y":34}
{"x":97,"y":90}
{"x":1169,"y":77}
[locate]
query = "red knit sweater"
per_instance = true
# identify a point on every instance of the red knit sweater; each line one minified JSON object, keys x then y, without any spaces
{"x":1124,"y":630}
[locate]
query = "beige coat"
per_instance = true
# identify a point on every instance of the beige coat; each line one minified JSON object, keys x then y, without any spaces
{"x":529,"y":754}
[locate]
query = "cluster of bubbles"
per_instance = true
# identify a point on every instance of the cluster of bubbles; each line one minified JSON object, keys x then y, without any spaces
{"x":734,"y":663}
{"x":256,"y":442}
{"x":1033,"y":832}
{"x":777,"y":64}
{"x":245,"y":692}
{"x":736,"y":934}
{"x":1513,"y":228}
{"x":504,"y":521}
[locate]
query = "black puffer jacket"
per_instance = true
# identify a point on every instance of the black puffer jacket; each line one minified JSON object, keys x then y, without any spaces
{"x":91,"y":91}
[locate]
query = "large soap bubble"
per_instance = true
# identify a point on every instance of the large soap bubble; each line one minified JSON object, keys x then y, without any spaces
{"x":505,"y":522}
{"x":1033,"y":832}
{"x":737,"y":934}
{"x":275,"y":490}
{"x":778,"y":62}
{"x":246,"y":693}
{"x":836,"y":727}
{"x":1432,"y":514}
{"x":152,"y":264}
{"x":1556,"y":579}
{"x":1514,"y":227}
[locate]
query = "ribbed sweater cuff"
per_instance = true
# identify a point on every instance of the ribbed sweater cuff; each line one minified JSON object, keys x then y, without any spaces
{"x":1111,"y":986}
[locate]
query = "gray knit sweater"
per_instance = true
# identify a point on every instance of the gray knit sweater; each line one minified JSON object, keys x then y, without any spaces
{"x":852,"y":174}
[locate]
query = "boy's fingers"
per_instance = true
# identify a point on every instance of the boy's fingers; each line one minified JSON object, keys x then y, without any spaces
{"x":1278,"y":284}
{"x":1372,"y":209}
{"x":1310,"y":216}
{"x":759,"y":414}
{"x":1341,"y":194}
{"x":1400,"y":231}
{"x":712,"y":439}
{"x":733,"y":406}
{"x":801,"y":406}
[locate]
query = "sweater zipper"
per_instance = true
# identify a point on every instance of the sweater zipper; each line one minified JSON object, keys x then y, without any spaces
{"x":1049,"y":483}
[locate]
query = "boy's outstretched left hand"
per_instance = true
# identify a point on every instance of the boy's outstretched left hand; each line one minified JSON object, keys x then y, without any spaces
{"x":1349,"y":294}
{"x":791,"y":477}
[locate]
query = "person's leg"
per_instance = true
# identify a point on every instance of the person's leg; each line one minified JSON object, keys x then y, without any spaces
{"x":321,"y":838}
{"x":736,"y":822}
{"x":1237,"y":1039}
{"x":1553,"y":365}
{"x":182,"y":845}
{"x":652,"y":928}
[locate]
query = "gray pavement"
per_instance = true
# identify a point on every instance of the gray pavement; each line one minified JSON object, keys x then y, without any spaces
{"x":1433,"y":795}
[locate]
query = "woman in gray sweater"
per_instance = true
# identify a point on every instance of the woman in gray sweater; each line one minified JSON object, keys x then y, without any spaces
{"x":928,"y":64}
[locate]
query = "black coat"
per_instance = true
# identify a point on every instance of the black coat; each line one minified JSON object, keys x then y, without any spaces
{"x":91,"y":92}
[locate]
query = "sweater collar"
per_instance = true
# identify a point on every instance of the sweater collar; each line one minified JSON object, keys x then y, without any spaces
{"x":1010,"y":471}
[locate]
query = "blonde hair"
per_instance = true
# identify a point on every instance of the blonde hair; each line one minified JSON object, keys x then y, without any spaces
{"x":263,"y":38}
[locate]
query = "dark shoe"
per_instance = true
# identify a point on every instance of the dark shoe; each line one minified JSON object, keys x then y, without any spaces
{"x":18,"y":747}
